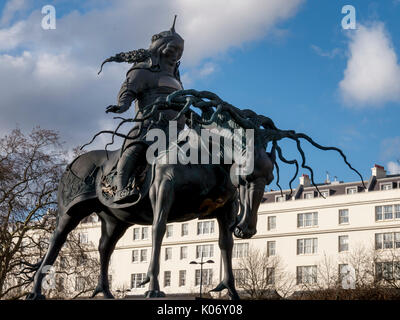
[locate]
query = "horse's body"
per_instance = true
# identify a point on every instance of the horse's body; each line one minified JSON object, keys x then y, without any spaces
{"x":177,"y":193}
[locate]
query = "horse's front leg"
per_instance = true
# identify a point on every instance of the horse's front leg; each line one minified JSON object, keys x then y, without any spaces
{"x":161,"y":197}
{"x":226,"y":244}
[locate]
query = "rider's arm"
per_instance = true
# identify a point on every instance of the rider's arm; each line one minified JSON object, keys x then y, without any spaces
{"x":134,"y":83}
{"x":127,"y":94}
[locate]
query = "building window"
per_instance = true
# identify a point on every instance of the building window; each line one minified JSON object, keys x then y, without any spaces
{"x":325,"y":193}
{"x":270,"y":276}
{"x":306,"y":274}
{"x":136,"y":233}
{"x":143,"y":255}
{"x":271,"y":246}
{"x":207,"y":277}
{"x":387,"y":212}
{"x":145,"y":233}
{"x":136,"y":279}
{"x":135,"y":255}
{"x":271,"y":223}
{"x":80,"y":283}
{"x":305,"y":220}
{"x":240,"y":277}
{"x":205,"y":227}
{"x":170,"y":229}
{"x":83,"y":238}
{"x":387,"y":240}
{"x":343,"y":271}
{"x":167,"y":278}
{"x":343,"y":243}
{"x":185,"y":229}
{"x":183,"y":253}
{"x":280,"y":198}
{"x":397,"y":211}
{"x":387,"y":270}
{"x":351,"y":190}
{"x":343,"y":216}
{"x":386,"y":186}
{"x":308,"y":195}
{"x":182,"y":278}
{"x":205,"y":251}
{"x":240,"y":250}
{"x":168,"y":253}
{"x":307,"y":246}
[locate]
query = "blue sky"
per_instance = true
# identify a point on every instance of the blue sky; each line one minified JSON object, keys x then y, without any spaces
{"x":297,"y":66}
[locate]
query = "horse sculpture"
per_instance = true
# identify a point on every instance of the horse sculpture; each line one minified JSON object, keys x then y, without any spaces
{"x":176,"y":192}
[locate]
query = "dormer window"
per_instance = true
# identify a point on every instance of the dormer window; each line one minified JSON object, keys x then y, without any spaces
{"x":386,"y":186}
{"x":351,"y":190}
{"x":280,"y":198}
{"x":308,"y":195}
{"x":325,"y":193}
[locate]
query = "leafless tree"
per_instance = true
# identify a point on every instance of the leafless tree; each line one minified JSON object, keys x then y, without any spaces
{"x":260,"y":276}
{"x":376,"y":274}
{"x":30,"y":168}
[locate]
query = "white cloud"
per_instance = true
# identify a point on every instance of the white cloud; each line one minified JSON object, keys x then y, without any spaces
{"x":49,"y":77}
{"x":11,"y":8}
{"x":372,"y":76}
{"x":393,"y":167}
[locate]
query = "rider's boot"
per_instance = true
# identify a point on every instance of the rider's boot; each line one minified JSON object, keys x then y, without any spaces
{"x":127,"y":167}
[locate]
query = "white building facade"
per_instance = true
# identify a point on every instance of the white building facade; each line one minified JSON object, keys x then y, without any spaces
{"x":303,"y":229}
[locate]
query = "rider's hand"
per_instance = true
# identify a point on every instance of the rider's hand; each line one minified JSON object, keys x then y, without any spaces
{"x":114,"y":109}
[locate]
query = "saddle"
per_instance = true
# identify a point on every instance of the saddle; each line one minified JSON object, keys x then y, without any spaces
{"x":106,"y":187}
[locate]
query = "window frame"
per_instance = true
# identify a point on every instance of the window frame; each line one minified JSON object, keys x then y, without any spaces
{"x":273,"y":249}
{"x":340,"y":217}
{"x":271,"y":226}
{"x":304,"y":243}
{"x":340,"y":244}
{"x":168,"y":254}
{"x":302,"y":220}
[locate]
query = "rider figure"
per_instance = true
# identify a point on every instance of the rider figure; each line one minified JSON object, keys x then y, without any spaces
{"x":157,"y":76}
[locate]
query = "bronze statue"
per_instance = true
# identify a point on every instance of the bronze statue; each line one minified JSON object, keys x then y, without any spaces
{"x":168,"y":192}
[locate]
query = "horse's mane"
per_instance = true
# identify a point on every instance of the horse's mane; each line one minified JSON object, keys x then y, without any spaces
{"x":218,"y":113}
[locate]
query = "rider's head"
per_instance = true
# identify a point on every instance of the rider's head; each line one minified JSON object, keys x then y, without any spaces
{"x":169,"y":44}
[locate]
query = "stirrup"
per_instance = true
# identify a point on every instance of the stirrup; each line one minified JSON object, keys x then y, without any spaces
{"x":124,"y":194}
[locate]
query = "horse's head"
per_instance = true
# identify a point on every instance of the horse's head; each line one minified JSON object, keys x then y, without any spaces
{"x":251,"y":191}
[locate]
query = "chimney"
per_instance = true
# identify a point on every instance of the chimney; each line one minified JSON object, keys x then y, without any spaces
{"x":305,"y":180}
{"x":378,"y":171}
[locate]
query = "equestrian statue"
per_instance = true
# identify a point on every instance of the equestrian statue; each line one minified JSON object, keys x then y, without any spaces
{"x":133,"y":186}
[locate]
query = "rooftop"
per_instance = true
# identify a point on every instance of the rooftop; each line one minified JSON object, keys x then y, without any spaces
{"x":379,"y":180}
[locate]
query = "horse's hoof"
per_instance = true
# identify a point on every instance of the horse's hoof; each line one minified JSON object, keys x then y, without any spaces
{"x":35,"y":296}
{"x":154,"y":294}
{"x":106,"y":293}
{"x":231,"y":289}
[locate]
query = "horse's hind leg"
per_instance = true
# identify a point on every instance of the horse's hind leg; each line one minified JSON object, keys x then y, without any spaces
{"x":66,"y":223}
{"x":111,"y":231}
